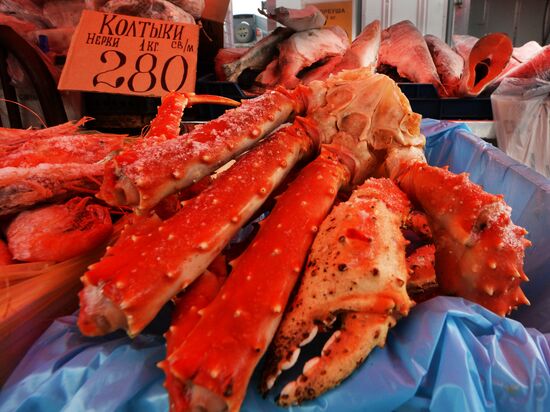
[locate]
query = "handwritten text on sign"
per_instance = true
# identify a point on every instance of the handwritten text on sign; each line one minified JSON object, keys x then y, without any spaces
{"x":111,"y":53}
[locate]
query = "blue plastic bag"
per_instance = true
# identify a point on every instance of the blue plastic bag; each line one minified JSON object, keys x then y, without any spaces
{"x":447,"y":354}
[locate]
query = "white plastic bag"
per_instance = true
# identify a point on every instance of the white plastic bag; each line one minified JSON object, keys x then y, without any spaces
{"x":521,"y":111}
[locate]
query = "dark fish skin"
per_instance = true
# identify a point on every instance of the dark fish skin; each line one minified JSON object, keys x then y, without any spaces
{"x":259,"y":55}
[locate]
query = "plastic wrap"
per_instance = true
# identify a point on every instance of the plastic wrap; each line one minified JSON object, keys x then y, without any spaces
{"x":447,"y":354}
{"x":521,"y":109}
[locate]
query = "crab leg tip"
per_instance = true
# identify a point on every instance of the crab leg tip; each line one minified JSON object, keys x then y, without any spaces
{"x":211,"y":99}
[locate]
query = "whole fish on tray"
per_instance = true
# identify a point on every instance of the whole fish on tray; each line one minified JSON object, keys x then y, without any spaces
{"x":404,"y":49}
{"x":303,"y":49}
{"x":258,"y":56}
{"x":449,"y":64}
{"x":362,"y":53}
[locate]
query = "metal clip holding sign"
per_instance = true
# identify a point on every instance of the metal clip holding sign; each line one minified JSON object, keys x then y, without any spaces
{"x":112,"y":53}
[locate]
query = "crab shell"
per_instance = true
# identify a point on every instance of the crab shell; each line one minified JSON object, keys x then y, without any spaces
{"x":356,"y":271}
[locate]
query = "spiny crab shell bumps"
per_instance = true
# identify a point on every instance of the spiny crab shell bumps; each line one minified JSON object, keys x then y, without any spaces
{"x":356,"y":271}
{"x":355,"y":124}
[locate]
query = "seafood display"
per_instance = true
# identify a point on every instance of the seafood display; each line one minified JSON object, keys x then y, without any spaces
{"x":300,"y":53}
{"x":304,"y":217}
{"x":301,"y":50}
{"x":359,"y":278}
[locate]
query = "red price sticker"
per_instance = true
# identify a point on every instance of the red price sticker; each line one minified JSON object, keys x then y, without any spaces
{"x":112,"y":53}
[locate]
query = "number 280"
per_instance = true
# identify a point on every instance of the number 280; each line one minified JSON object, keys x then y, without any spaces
{"x":144,"y":74}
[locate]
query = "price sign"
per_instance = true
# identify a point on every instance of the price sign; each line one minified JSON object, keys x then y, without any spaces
{"x":338,"y":13}
{"x":112,"y":53}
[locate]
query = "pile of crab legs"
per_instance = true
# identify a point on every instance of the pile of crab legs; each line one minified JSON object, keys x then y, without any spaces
{"x":351,"y":127}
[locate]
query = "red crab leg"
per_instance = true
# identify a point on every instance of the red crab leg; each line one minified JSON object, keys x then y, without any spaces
{"x":131,"y":283}
{"x":217,"y":359}
{"x":479,"y":251}
{"x":186,"y":315}
{"x":189,"y":303}
{"x":165,"y":126}
{"x":167,"y":121}
{"x":141,"y":177}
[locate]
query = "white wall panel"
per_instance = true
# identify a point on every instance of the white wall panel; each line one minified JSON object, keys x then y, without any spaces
{"x":430,"y":16}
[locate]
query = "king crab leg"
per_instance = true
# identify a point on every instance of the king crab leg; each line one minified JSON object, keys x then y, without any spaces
{"x":244,"y":316}
{"x":479,"y":251}
{"x":165,"y":126}
{"x":131,"y":283}
{"x":188,"y":311}
{"x":140,"y":177}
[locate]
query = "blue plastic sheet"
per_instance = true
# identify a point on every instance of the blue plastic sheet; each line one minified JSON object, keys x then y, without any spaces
{"x":447,"y":354}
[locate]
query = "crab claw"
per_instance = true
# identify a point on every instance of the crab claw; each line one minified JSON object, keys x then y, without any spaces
{"x":356,"y":272}
{"x":345,"y":350}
